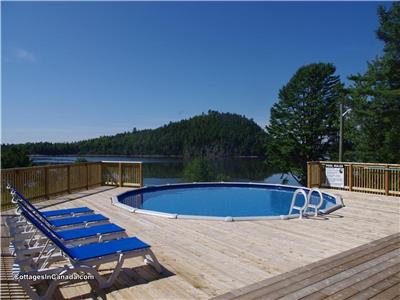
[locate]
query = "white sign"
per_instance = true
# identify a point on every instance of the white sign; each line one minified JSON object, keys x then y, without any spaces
{"x":334,"y":175}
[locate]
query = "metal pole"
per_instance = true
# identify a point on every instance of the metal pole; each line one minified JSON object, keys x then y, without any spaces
{"x":341,"y":132}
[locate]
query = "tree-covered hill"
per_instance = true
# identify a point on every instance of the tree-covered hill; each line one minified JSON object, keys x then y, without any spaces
{"x":208,"y":135}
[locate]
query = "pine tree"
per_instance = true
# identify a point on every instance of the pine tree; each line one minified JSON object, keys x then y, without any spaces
{"x":376,"y":96}
{"x":304,"y":122}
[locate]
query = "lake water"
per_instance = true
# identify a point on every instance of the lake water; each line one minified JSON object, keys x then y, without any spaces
{"x":170,"y":170}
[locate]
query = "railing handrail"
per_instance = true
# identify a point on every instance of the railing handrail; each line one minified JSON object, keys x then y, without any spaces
{"x":61,"y":165}
{"x":41,"y":182}
{"x":120,"y":162}
{"x":378,"y":178}
{"x":351,"y":163}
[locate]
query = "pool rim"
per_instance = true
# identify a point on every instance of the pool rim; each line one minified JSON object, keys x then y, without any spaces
{"x":115,"y":201}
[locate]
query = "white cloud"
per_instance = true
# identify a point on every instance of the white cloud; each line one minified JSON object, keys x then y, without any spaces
{"x":24,"y":55}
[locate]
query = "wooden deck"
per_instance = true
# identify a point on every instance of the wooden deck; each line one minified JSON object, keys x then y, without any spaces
{"x":204,"y":259}
{"x":370,"y":271}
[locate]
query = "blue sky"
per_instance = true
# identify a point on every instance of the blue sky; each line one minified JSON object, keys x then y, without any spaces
{"x":77,"y":70}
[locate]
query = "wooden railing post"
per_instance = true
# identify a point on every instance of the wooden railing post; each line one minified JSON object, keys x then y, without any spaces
{"x":387,"y":180}
{"x":350,"y":177}
{"x":141,"y":174}
{"x":308,"y":175}
{"x":319,"y":174}
{"x":69,"y":178}
{"x":120,"y":173}
{"x":46,"y":182}
{"x":18,"y":181}
{"x":87,"y":176}
{"x":101,"y":174}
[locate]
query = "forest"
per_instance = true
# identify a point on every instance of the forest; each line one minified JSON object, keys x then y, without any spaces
{"x":211,"y":135}
{"x":304,"y":124}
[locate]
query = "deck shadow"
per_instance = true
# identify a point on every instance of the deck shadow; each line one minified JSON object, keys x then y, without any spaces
{"x":326,"y":217}
{"x":318,"y":218}
{"x":128,"y":278}
{"x":331,"y":215}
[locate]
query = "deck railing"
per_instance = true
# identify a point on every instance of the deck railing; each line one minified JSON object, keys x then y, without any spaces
{"x":43,"y":182}
{"x":373,"y":178}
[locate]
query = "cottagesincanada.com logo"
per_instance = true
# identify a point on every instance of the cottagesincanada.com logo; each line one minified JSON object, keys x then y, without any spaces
{"x":39,"y":277}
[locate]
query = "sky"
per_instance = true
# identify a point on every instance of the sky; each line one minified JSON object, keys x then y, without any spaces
{"x":78,"y":70}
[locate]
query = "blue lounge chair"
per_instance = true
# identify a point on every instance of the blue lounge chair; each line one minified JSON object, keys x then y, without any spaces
{"x":94,"y":231}
{"x":82,"y":220}
{"x":54,"y":213}
{"x":67,"y":211}
{"x":82,"y":259}
{"x":24,"y":231}
{"x":35,"y":244}
{"x":25,"y":236}
{"x":77,"y":220}
{"x":29,"y":239}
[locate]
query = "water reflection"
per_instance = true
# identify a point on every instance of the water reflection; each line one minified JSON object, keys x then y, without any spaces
{"x":170,"y":170}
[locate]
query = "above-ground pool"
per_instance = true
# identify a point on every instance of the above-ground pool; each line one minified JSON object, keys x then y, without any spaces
{"x":221,"y":201}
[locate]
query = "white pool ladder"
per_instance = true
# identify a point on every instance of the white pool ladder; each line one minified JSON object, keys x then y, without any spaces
{"x":301,"y":209}
{"x":315,"y":206}
{"x":307,"y":202}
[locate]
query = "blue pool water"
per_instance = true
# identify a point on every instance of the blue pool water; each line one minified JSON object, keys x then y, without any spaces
{"x":219,"y":200}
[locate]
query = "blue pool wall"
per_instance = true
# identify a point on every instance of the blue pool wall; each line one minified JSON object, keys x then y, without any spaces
{"x":334,"y":202}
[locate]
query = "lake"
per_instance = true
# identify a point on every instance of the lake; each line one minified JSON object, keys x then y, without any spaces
{"x":170,"y":170}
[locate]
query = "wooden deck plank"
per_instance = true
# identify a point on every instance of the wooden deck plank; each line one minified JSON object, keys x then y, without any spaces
{"x":318,"y":281}
{"x":204,"y":259}
{"x":303,"y":284}
{"x":370,"y":287}
{"x":388,"y":294}
{"x":344,"y":279}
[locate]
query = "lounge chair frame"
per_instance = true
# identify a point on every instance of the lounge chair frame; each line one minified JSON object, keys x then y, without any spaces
{"x":51,"y":251}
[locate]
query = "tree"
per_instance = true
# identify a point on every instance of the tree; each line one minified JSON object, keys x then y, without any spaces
{"x":14,"y":157}
{"x":375,"y":96}
{"x":80,"y":160}
{"x":304,"y":122}
{"x":198,"y":170}
{"x":202,"y":170}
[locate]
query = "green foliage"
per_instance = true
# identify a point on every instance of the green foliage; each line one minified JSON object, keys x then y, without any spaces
{"x":222,"y":177}
{"x":198,"y":170}
{"x":208,"y":135}
{"x":14,"y":156}
{"x":80,"y":160}
{"x":201,"y":170}
{"x":304,"y":122}
{"x":226,"y":169}
{"x":375,"y":97}
{"x":162,"y":170}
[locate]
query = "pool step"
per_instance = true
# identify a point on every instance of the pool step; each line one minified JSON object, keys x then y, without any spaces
{"x":307,"y":202}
